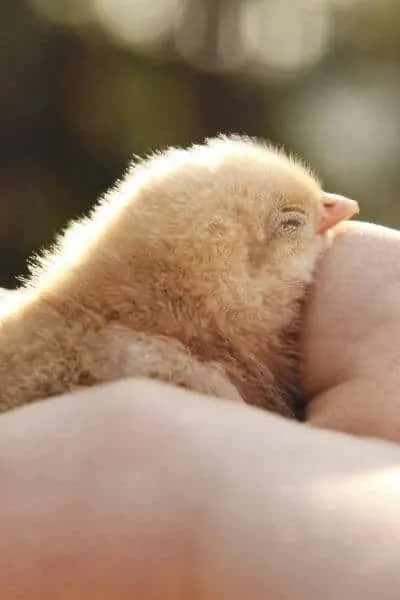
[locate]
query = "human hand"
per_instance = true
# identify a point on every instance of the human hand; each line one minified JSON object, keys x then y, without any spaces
{"x":141,"y":490}
{"x":352,"y":359}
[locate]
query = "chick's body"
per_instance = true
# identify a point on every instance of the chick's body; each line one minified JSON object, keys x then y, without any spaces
{"x":192,"y":270}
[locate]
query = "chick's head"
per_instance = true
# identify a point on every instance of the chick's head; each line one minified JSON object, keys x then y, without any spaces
{"x":233,"y":207}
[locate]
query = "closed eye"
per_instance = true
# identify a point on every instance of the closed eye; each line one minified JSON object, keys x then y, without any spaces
{"x":292,"y":222}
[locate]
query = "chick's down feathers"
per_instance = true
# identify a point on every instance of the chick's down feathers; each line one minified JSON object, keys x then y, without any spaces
{"x":193,"y":270}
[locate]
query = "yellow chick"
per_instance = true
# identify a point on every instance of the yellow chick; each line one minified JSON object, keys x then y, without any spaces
{"x":192,"y":270}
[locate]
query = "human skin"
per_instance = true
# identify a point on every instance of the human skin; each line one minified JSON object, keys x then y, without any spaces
{"x":352,"y":358}
{"x":140,"y":490}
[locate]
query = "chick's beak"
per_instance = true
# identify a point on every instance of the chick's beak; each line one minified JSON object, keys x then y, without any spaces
{"x":335,"y":209}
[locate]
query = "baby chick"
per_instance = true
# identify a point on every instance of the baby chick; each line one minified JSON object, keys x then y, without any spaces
{"x":192,"y":270}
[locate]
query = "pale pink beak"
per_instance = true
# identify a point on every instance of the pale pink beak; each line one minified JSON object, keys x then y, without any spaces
{"x":336,"y":209}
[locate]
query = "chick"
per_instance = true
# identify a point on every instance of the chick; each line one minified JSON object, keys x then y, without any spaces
{"x":192,"y":270}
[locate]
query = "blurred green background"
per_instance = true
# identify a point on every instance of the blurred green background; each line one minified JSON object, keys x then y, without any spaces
{"x":87,"y":83}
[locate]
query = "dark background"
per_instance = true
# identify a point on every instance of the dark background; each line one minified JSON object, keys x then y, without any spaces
{"x":84,"y":84}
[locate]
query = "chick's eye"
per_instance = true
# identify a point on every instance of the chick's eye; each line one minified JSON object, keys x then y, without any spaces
{"x":292,"y":221}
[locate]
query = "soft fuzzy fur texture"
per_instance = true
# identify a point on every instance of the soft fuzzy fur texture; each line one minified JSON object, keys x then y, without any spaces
{"x":191,"y":270}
